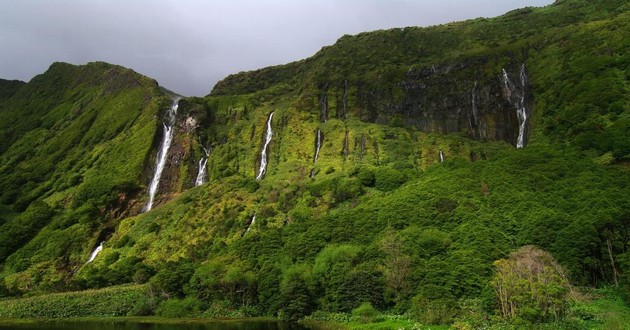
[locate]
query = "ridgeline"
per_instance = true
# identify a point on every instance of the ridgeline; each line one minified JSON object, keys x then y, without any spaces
{"x":471,"y":174}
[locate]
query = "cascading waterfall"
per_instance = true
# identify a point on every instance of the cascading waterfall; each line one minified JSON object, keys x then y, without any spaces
{"x":263,"y":154}
{"x":323,"y":102}
{"x":95,"y":252}
{"x":508,"y":84}
{"x":318,"y":145}
{"x":251,"y":223}
{"x":169,"y":132}
{"x":521,"y":112}
{"x":441,"y":156}
{"x":201,"y":174}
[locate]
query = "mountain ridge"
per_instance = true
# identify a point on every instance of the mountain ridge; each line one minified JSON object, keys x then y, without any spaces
{"x":361,"y":152}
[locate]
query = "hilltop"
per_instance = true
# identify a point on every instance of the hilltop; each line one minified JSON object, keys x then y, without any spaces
{"x":400,"y":168}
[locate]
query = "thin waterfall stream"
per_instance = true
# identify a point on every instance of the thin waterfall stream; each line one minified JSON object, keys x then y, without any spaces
{"x":201,"y":174}
{"x":94,"y":253}
{"x":169,"y":133}
{"x":263,"y":154}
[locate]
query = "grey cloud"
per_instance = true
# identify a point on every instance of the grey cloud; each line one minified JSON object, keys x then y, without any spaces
{"x":189,"y":45}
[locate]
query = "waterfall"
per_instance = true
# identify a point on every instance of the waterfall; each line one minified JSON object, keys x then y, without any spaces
{"x":323,"y":102}
{"x":169,"y":132}
{"x":318,"y":145}
{"x":201,"y":174}
{"x":263,"y":154}
{"x":521,"y":112}
{"x":95,"y":252}
{"x":251,"y":223}
{"x":507,"y":83}
{"x":441,"y":156}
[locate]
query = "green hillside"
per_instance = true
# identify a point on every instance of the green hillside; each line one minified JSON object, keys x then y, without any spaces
{"x":472,"y":174}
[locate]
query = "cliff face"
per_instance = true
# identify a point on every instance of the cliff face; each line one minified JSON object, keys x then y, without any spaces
{"x":445,"y":99}
{"x":187,"y":147}
{"x":450,"y":78}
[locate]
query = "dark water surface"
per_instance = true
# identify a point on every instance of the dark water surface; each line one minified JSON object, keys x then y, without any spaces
{"x":148,"y":325}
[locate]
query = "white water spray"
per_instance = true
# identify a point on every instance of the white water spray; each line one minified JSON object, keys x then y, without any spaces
{"x":318,"y":145}
{"x":441,"y":156}
{"x":263,"y":154}
{"x":251,"y":223}
{"x":95,"y":252}
{"x":201,"y":174}
{"x":169,"y":132}
{"x":521,"y":112}
{"x":507,"y":83}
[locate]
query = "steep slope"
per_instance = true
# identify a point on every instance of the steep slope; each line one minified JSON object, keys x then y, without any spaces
{"x":79,"y":139}
{"x":393,"y":167}
{"x":357,"y":135}
{"x":449,"y":78}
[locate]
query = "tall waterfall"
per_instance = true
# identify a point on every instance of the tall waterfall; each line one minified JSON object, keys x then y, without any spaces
{"x":251,"y":223}
{"x":318,"y":145}
{"x":169,"y":132}
{"x":521,"y":112}
{"x":441,"y":156}
{"x":508,"y":84}
{"x":519,"y":102}
{"x":263,"y":154}
{"x":95,"y":252}
{"x":201,"y":174}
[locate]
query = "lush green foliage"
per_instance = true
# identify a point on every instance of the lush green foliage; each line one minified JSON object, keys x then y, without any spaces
{"x":73,"y":149}
{"x":531,"y":285}
{"x":126,"y":300}
{"x":376,"y":223}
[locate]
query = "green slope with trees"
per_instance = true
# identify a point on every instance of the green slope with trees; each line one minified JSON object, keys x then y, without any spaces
{"x":378,"y":223}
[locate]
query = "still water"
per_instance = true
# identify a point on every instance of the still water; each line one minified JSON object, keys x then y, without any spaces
{"x":135,"y":325}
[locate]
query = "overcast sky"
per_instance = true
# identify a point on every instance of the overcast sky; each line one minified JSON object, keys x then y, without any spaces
{"x":188,"y":45}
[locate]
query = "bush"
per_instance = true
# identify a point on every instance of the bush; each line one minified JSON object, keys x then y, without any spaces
{"x":170,"y":280}
{"x":121,"y":300}
{"x":388,"y":179}
{"x":365,"y":313}
{"x":438,"y":311}
{"x":187,"y":307}
{"x":531,"y":285}
{"x":346,"y":189}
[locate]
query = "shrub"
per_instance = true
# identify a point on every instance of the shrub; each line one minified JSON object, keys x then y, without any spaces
{"x":530,"y":285}
{"x":388,"y":179}
{"x":365,"y":313}
{"x":186,"y":307}
{"x":170,"y":280}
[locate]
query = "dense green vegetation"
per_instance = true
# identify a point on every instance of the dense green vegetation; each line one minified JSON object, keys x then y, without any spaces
{"x":122,"y":300}
{"x":377,"y":232}
{"x":74,"y":145}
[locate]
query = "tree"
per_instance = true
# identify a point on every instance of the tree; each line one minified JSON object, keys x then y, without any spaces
{"x":296,"y":292}
{"x":397,"y":265}
{"x":530,"y":285}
